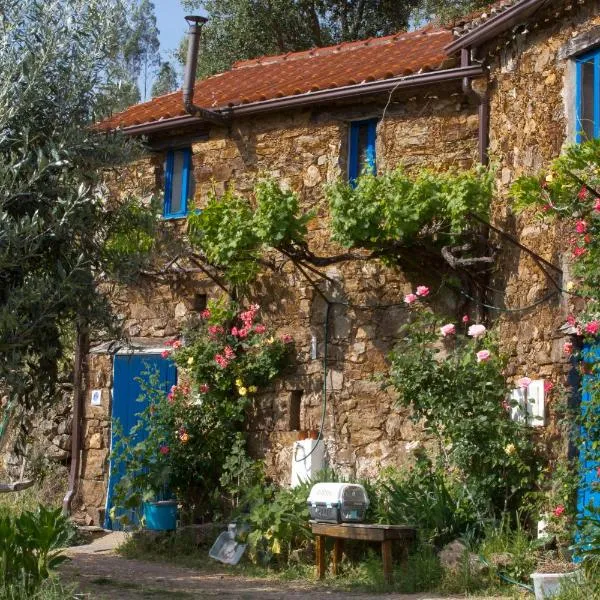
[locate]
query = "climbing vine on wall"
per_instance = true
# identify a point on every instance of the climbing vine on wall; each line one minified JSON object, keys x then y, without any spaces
{"x":396,"y":208}
{"x":386,"y":214}
{"x":569,"y":191}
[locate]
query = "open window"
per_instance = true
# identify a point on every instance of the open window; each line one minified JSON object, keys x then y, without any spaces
{"x":588,"y":95}
{"x":361,"y":155}
{"x":177,"y":183}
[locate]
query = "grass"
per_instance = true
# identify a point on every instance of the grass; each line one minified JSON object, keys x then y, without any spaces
{"x":52,"y":589}
{"x":51,"y":487}
{"x":421,"y":573}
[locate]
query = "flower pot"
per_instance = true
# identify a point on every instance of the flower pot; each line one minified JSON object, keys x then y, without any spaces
{"x":161,"y":516}
{"x":547,"y":585}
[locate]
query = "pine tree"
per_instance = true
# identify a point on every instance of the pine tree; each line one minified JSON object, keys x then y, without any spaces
{"x":141,"y":49}
{"x":166,"y":80}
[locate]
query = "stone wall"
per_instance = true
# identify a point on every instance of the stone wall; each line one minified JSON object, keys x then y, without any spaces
{"x":532,"y":106}
{"x":304,"y":150}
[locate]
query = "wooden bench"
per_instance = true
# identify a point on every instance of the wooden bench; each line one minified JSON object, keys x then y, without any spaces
{"x":385,"y":534}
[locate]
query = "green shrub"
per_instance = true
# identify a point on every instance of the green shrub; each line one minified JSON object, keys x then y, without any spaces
{"x":427,"y":499}
{"x":509,"y":539}
{"x":455,"y":387}
{"x":30,"y":548}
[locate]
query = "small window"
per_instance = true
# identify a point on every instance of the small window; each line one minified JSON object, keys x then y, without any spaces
{"x":361,"y":155}
{"x":588,"y":96}
{"x":295,"y":408}
{"x":177,"y":183}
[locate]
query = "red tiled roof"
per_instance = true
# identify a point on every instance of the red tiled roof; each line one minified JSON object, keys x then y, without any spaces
{"x":271,"y":77}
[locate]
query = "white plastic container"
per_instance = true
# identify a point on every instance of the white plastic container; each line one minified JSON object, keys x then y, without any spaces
{"x":547,"y":585}
{"x":308,"y":458}
{"x":226,"y":549}
{"x":338,"y":502}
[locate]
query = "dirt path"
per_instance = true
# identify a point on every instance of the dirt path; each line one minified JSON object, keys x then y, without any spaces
{"x":102,"y":575}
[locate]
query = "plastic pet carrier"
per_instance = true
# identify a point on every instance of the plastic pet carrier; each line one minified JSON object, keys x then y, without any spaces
{"x":338,"y":503}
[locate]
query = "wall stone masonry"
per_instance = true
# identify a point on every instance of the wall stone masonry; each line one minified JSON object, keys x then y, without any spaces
{"x":304,"y":150}
{"x":531,"y":112}
{"x":532,"y":118}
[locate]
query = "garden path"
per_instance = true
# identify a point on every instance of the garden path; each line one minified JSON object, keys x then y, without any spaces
{"x":103,"y":575}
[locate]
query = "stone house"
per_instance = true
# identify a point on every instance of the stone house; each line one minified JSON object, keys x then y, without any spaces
{"x":515,"y":83}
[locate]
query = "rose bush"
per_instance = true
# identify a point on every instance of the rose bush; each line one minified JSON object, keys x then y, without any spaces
{"x":227,"y":358}
{"x":455,"y":387}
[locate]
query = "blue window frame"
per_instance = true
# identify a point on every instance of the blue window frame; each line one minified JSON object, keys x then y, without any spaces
{"x":587,"y":98}
{"x":177,"y":183}
{"x":361,"y":155}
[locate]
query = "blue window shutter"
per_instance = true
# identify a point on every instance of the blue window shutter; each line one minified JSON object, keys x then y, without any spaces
{"x":175,"y":208}
{"x":362,"y":156}
{"x":185,"y":188}
{"x":353,"y":156}
{"x":371,"y":153}
{"x":597,"y":94}
{"x":168,"y":182}
{"x":592,"y":58}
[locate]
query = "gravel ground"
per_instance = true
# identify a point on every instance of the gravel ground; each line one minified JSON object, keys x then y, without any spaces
{"x":100,"y":574}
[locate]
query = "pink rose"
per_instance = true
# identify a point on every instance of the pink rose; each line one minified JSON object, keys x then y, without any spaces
{"x":477,"y":331}
{"x":524,"y":382}
{"x":229,"y":353}
{"x":176,"y":345}
{"x":422,"y":291}
{"x":204,"y":388}
{"x":260,"y":328}
{"x":221,"y":361}
{"x":548,"y":386}
{"x":465,"y":319}
{"x":164,"y":449}
{"x":559,"y":510}
{"x":171,"y":397}
{"x":581,"y":227}
{"x":214,"y":330}
{"x":598,"y":472}
{"x":235,"y":331}
{"x":571,"y":320}
{"x":578,"y":251}
{"x":243,"y":333}
{"x":583,"y":193}
{"x":410,"y":298}
{"x":483,"y":356}
{"x":205,"y":314}
{"x":592,"y":327}
{"x":447,"y":330}
{"x":165,"y":353}
{"x":597,"y":205}
{"x":287,"y":339}
{"x":568,"y":348}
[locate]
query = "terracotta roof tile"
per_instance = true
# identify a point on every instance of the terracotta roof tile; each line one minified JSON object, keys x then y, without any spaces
{"x":270,"y":77}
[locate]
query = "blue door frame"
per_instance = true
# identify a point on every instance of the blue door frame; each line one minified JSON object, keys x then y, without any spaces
{"x":589,"y":457}
{"x":128,"y":369}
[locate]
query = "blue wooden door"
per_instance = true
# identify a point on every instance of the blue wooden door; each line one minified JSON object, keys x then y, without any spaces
{"x":589,"y":490}
{"x":127,"y":403}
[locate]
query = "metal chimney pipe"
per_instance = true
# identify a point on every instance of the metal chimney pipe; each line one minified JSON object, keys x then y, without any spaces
{"x":189,"y":80}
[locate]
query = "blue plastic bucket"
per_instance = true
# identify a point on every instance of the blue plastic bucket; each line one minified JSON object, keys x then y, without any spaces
{"x":160,"y":516}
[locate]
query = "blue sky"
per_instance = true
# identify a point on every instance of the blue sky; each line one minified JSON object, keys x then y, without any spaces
{"x":172,"y":26}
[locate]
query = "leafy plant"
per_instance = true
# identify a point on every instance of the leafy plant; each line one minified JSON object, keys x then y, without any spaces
{"x":278,"y":521}
{"x":233,"y":234}
{"x":455,"y":388}
{"x":439,"y":509}
{"x":399,"y":209}
{"x":31,"y":548}
{"x":185,"y":439}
